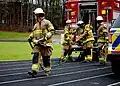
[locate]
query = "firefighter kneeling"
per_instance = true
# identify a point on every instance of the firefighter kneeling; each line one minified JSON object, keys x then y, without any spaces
{"x":88,"y":40}
{"x":79,"y":32}
{"x":41,"y":38}
{"x":67,"y":43}
{"x":102,"y":34}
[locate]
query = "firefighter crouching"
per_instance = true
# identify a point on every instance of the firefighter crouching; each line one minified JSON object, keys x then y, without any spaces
{"x":41,"y":38}
{"x":87,"y":42}
{"x":79,"y":32}
{"x":102,"y":41}
{"x":67,"y":43}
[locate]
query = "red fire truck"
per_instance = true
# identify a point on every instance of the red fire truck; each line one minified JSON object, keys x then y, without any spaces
{"x":88,"y":10}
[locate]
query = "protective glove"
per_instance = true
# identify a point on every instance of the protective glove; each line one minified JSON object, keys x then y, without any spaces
{"x":41,"y":43}
{"x":35,"y":41}
{"x":30,"y":39}
{"x":48,"y":36}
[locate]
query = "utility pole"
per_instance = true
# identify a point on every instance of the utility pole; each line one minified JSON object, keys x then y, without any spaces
{"x":32,"y":13}
{"x":27,"y":12}
{"x":21,"y":17}
{"x":63,"y":16}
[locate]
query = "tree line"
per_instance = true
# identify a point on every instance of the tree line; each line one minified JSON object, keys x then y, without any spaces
{"x":17,"y":15}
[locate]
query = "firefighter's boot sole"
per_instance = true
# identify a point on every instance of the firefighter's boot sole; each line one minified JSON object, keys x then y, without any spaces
{"x":62,"y":60}
{"x":47,"y":73}
{"x":71,"y":59}
{"x":32,"y":74}
{"x":103,"y":63}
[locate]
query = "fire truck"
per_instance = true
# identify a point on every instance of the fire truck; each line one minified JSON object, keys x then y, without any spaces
{"x":88,"y":10}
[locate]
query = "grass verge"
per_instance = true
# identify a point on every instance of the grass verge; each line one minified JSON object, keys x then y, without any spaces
{"x":13,"y":35}
{"x":10,"y":51}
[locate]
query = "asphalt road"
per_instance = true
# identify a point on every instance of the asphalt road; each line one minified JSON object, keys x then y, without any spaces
{"x":65,"y":74}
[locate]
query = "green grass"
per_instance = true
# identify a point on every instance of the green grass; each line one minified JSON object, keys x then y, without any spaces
{"x":21,"y":51}
{"x":11,"y":51}
{"x":18,"y":36}
{"x":13,"y":35}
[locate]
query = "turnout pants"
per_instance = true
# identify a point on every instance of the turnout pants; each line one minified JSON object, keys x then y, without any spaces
{"x":102,"y":52}
{"x":45,"y":53}
{"x":67,"y":51}
{"x":87,"y":51}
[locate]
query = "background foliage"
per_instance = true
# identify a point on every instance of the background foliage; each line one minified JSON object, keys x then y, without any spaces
{"x":17,"y":15}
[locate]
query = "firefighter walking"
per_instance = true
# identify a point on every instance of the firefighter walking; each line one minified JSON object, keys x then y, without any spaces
{"x":67,"y":43}
{"x":41,"y":38}
{"x":88,"y":40}
{"x":102,"y":41}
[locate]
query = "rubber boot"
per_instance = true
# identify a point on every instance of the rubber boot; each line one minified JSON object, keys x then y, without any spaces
{"x":89,"y":58}
{"x":35,"y":65}
{"x":102,"y":60}
{"x":70,"y":55}
{"x":63,"y":57}
{"x":32,"y":73}
{"x":70,"y":58}
{"x":47,"y":70}
{"x":46,"y":63}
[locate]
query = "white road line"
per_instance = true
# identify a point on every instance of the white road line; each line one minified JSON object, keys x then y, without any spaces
{"x":14,"y":62}
{"x":22,"y":65}
{"x":14,"y":69}
{"x":83,"y":79}
{"x":15,"y":65}
{"x":13,"y":74}
{"x":52,"y":70}
{"x":22,"y":68}
{"x":26,"y":67}
{"x":63,"y":74}
{"x":17,"y":62}
{"x":117,"y":83}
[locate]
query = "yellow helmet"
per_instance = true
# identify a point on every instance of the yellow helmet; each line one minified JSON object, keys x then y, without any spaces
{"x":39,"y":11}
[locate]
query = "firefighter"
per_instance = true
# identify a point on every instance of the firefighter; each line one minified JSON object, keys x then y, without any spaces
{"x":67,"y":43}
{"x":41,"y":38}
{"x":102,"y":41}
{"x":88,"y":40}
{"x":79,"y":31}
